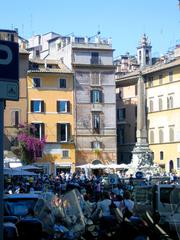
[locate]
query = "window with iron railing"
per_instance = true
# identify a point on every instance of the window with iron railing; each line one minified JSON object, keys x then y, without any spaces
{"x":95,"y":59}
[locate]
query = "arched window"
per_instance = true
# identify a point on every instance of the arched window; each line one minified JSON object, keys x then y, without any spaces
{"x":161,"y":136}
{"x":151,"y":106}
{"x":151,"y":136}
{"x":171,"y":134}
{"x":160,"y":104}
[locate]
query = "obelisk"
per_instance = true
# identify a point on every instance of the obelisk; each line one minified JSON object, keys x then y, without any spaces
{"x":141,"y":151}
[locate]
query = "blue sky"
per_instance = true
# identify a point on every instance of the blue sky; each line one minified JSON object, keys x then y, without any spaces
{"x":124,"y":21}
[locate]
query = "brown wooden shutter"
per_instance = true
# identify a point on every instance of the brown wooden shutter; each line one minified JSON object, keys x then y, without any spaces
{"x":58,"y":132}
{"x":68,"y":131}
{"x":58,"y":106}
{"x":68,"y":106}
{"x":32,"y":106}
{"x":42,"y":106}
{"x":42,"y":130}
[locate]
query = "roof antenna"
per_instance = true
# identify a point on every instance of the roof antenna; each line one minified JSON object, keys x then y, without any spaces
{"x":98,"y":32}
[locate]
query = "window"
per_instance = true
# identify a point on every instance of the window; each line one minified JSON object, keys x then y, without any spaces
{"x":170,"y":76}
{"x":96,"y":145}
{"x":38,"y":130}
{"x":96,"y":96}
{"x":160,"y":104}
{"x":95,"y":58}
{"x":147,"y":56}
{"x":65,"y":153}
{"x":37,"y":106}
{"x":139,"y":56}
{"x":178,"y":163}
{"x":36,"y":82}
{"x":63,"y":106}
{"x":96,"y":122}
{"x":63,"y":132}
{"x":135,"y":111}
{"x":151,"y":136}
{"x":150,"y":81}
{"x":170,"y":102}
{"x":171,"y":134}
{"x":135,"y":134}
{"x":121,"y":114}
{"x":37,"y":53}
{"x":121,"y":135}
{"x":15,"y":118}
{"x":160,"y":79}
{"x":161,"y":155}
{"x":136,"y":90}
{"x":151,"y":106}
{"x":62,"y":83}
{"x":161,"y":136}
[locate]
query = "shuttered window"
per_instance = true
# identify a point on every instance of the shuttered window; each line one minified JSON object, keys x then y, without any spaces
{"x":38,"y":130}
{"x":37,"y":106}
{"x":63,"y":132}
{"x":63,"y":106}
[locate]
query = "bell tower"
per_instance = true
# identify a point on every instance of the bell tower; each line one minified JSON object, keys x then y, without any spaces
{"x":144,"y":52}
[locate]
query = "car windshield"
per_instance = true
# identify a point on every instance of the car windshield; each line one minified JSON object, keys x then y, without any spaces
{"x":170,"y":195}
{"x":19,"y":207}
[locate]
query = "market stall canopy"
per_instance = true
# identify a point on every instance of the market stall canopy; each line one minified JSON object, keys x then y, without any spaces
{"x":15,"y":172}
{"x":12,"y":162}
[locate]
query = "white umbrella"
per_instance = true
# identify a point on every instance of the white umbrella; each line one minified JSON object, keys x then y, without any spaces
{"x":116,"y":166}
{"x":88,"y":165}
{"x":28,"y":168}
{"x":98,"y":166}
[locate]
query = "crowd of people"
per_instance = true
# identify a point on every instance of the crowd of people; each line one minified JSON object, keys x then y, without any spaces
{"x":97,"y":197}
{"x":95,"y":189}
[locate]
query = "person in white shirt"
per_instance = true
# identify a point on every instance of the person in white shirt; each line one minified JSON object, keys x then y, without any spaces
{"x":128,"y":205}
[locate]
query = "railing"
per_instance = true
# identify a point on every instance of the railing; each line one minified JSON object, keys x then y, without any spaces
{"x":95,"y":61}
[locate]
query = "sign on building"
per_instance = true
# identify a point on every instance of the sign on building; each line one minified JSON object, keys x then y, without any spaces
{"x":9,"y":70}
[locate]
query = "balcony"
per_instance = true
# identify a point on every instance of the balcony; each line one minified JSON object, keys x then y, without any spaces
{"x":95,"y":60}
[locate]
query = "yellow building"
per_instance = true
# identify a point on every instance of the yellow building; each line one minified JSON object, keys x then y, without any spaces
{"x":162,"y":83}
{"x":50,"y":109}
{"x":163,"y":91}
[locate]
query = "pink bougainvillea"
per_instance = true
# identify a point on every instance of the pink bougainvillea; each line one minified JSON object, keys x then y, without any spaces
{"x":28,"y":141}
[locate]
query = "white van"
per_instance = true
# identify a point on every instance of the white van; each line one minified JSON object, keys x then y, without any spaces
{"x":162,"y":201}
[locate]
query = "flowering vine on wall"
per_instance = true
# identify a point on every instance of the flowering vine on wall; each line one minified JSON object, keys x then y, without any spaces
{"x":31,"y":146}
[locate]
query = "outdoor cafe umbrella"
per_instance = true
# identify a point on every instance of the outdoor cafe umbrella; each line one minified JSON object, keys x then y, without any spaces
{"x":28,"y":168}
{"x":118,"y":166}
{"x":88,"y":165}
